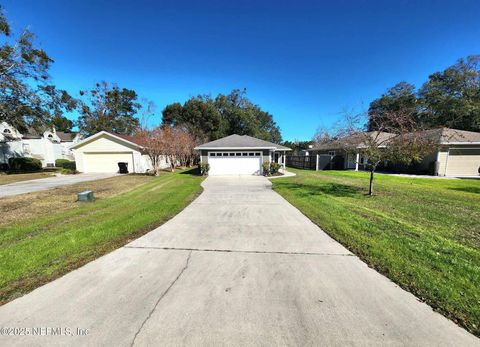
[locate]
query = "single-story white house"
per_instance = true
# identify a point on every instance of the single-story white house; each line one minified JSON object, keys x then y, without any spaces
{"x":47,"y":146}
{"x":240,"y":155}
{"x":103,"y":151}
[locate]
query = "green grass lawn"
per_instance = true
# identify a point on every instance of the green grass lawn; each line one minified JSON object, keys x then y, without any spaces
{"x":12,"y":178}
{"x":422,"y":233}
{"x":38,"y":249}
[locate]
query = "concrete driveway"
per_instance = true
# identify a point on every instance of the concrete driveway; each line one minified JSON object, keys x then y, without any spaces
{"x":240,"y":266}
{"x":48,"y":183}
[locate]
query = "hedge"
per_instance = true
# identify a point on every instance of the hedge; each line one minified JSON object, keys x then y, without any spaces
{"x":24,"y":164}
{"x":66,"y":164}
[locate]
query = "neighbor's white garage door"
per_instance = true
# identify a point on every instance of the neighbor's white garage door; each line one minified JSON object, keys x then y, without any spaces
{"x":106,"y":162}
{"x":463,"y":162}
{"x":235,"y":163}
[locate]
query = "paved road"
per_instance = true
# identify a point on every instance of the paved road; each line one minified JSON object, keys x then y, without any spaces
{"x":240,"y":267}
{"x":48,"y":183}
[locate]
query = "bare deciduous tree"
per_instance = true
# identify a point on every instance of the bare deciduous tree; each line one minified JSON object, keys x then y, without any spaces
{"x":399,"y":139}
{"x":322,"y":136}
{"x":153,"y":146}
{"x":174,"y":144}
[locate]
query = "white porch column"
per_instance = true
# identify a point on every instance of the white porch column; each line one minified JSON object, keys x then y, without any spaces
{"x":357,"y":160}
{"x":317,"y":162}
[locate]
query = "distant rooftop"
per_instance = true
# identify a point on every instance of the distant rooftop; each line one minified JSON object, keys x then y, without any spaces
{"x":241,"y":141}
{"x":440,"y":135}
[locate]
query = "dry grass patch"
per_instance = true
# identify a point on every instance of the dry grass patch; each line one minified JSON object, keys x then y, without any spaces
{"x":34,"y":204}
{"x":12,"y":178}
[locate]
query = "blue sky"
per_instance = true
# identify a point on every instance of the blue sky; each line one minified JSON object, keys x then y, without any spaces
{"x":303,"y":61}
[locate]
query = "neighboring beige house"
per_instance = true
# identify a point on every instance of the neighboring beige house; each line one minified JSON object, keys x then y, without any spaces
{"x":47,"y":146}
{"x":458,"y":154}
{"x":103,"y":151}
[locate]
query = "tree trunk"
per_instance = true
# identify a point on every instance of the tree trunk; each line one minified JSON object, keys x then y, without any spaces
{"x":370,"y":187}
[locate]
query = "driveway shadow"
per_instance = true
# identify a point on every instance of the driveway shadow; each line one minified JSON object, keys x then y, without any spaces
{"x":333,"y":189}
{"x":192,"y":171}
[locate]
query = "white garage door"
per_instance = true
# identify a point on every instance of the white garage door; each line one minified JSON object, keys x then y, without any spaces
{"x":235,"y":163}
{"x":463,"y":162}
{"x":106,"y":162}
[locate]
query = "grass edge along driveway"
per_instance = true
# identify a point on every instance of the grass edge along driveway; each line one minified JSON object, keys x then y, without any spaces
{"x":37,"y":250}
{"x":422,"y":233}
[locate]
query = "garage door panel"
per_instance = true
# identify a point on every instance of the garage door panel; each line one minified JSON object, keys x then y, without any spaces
{"x":234,"y":166}
{"x":463,"y":162}
{"x":107,"y":162}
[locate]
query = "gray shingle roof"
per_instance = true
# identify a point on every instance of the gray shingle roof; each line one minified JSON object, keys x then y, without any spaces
{"x":440,"y":136}
{"x":354,"y":141}
{"x":241,"y":142}
{"x":66,"y":137}
{"x":447,"y":135}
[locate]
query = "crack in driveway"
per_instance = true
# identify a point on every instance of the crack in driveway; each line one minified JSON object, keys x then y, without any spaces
{"x":160,"y":298}
{"x":238,"y":251}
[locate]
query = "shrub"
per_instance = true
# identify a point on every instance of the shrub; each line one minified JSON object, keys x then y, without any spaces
{"x":274,"y":167}
{"x":65,"y":171}
{"x":70,"y":165}
{"x":60,"y":162}
{"x":24,"y":164}
{"x":266,"y":168}
{"x":204,"y":168}
{"x":66,"y":164}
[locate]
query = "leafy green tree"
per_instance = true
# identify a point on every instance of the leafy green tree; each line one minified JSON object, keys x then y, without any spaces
{"x":27,"y":99}
{"x":61,"y":123}
{"x":238,"y":113}
{"x":172,"y":114}
{"x":198,"y":115}
{"x":452,"y":97}
{"x":400,"y":98}
{"x":225,"y":115}
{"x":112,"y":109}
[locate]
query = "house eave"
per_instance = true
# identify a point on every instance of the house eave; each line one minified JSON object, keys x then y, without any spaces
{"x":460,"y":143}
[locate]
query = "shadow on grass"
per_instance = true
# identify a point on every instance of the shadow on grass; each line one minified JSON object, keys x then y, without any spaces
{"x":474,"y":190}
{"x":195,"y":171}
{"x":333,"y":189}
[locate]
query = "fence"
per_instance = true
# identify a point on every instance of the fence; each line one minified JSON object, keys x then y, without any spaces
{"x":302,"y":161}
{"x":325,"y":162}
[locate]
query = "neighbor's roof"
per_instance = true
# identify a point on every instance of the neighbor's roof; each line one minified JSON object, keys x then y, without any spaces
{"x":446,"y":136}
{"x":443,"y":136}
{"x":353,"y":141}
{"x":66,"y":137}
{"x":132,"y":140}
{"x":32,"y":134}
{"x":241,"y":142}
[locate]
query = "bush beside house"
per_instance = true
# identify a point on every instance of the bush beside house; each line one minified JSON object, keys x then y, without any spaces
{"x":204,"y":168}
{"x":271,"y":168}
{"x":66,"y":164}
{"x":24,"y":164}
